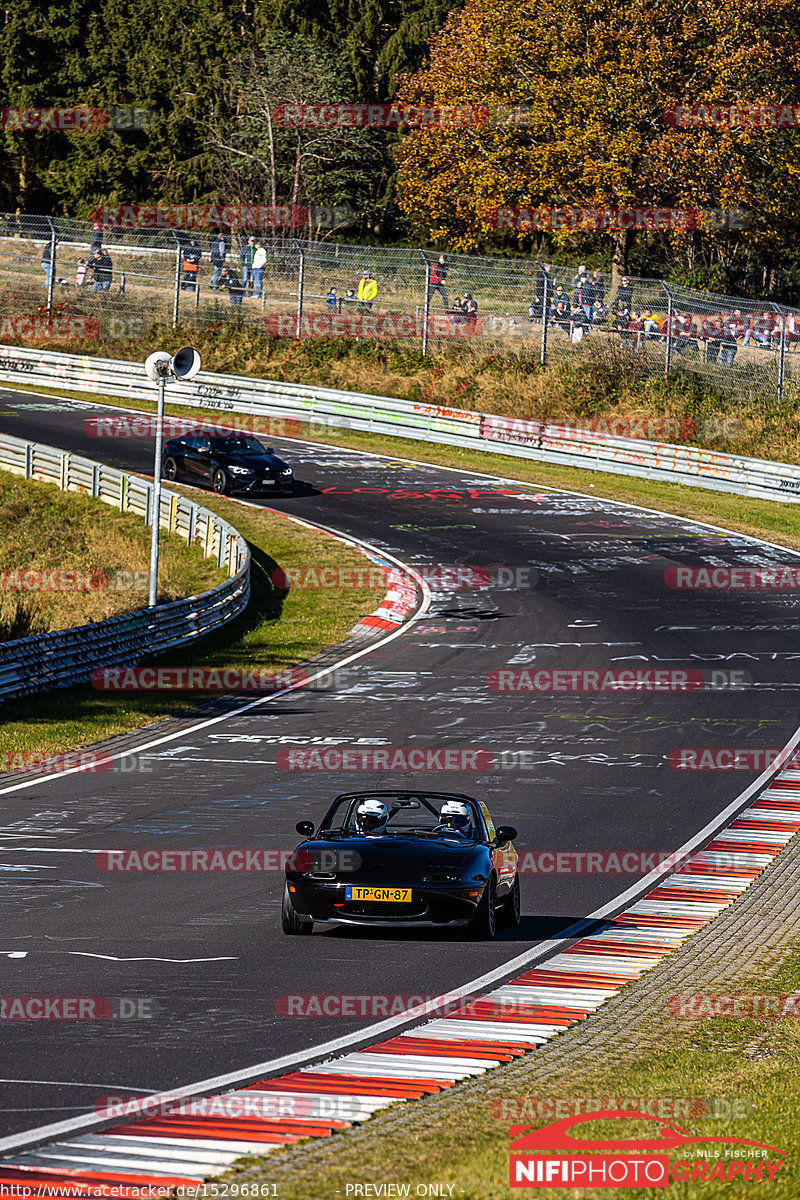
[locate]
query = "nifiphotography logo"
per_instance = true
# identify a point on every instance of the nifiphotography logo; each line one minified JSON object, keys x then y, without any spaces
{"x":632,"y":1162}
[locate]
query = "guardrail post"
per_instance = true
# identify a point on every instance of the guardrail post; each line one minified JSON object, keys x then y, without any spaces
{"x":176,"y":299}
{"x":427,"y":307}
{"x":668,"y":340}
{"x":781,"y":352}
{"x":51,"y":278}
{"x":28,"y":460}
{"x":301,"y":276}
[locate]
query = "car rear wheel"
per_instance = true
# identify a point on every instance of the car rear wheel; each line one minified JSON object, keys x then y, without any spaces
{"x":170,"y":470}
{"x":483,"y":924}
{"x":508,"y":916}
{"x":219,"y":482}
{"x":290,"y":922}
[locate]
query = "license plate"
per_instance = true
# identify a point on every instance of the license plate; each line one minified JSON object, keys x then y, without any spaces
{"x":387,"y":895}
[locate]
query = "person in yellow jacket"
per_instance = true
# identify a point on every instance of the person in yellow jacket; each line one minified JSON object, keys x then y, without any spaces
{"x":367,"y":290}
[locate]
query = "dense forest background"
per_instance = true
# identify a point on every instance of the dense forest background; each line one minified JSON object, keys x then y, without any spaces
{"x":596,"y":80}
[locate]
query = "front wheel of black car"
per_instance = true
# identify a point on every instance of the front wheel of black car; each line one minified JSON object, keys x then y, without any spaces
{"x":482,"y":926}
{"x":508,"y":915}
{"x":170,"y":470}
{"x":219,"y":482}
{"x":290,"y":922}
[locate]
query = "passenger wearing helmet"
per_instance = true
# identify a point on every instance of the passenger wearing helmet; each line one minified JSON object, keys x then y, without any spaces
{"x":455,"y":817}
{"x":371,"y":817}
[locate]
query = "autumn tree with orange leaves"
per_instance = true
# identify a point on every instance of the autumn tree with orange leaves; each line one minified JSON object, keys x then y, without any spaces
{"x":596,"y":81}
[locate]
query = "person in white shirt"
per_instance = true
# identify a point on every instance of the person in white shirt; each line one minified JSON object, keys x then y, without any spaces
{"x":259,"y":262}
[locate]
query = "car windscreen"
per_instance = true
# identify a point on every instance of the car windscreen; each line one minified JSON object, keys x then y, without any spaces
{"x":419,"y":816}
{"x":239,"y":445}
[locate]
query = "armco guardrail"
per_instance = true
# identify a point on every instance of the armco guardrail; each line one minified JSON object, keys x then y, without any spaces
{"x":68,"y":656}
{"x":553,"y":444}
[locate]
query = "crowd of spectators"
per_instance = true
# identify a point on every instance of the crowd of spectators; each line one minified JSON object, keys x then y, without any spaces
{"x":714,"y":336}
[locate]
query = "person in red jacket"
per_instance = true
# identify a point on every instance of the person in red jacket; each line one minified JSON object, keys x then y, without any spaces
{"x":436,"y":281}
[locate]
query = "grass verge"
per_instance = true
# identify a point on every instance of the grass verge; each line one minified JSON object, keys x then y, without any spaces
{"x":94,"y":561}
{"x":278,"y":629}
{"x":748,"y":1068}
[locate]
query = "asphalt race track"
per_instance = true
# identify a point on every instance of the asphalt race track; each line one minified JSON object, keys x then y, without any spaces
{"x":589,"y":772}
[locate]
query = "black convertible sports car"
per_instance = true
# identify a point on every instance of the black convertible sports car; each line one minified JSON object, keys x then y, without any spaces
{"x":403,"y":859}
{"x":231,"y":463}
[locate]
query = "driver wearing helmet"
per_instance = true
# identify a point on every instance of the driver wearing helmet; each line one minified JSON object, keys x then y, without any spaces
{"x":371,"y":817}
{"x":455,"y":817}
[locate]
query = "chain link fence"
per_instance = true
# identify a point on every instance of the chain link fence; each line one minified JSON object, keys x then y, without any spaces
{"x":63,"y":279}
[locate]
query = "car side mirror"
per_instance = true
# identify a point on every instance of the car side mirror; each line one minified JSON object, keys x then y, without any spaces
{"x":505,"y":833}
{"x":305,"y":827}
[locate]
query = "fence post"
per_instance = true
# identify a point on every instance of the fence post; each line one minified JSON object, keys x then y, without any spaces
{"x":301,"y":277}
{"x":51,"y":278}
{"x":545,"y":307}
{"x":176,"y":299}
{"x":426,"y":308}
{"x":781,"y":351}
{"x":668,"y":339}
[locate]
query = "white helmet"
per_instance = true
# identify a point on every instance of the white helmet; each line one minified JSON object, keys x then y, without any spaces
{"x":455,"y":814}
{"x":371,"y":816}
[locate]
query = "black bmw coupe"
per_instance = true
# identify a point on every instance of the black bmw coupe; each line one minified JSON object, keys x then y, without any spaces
{"x":232,"y":463}
{"x":403,"y":859}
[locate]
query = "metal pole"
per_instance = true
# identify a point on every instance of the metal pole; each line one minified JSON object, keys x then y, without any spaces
{"x":427,"y":307}
{"x":545,"y":306}
{"x":52,"y":273}
{"x":176,"y":299}
{"x":155,"y":511}
{"x":668,"y":353}
{"x":781,"y":353}
{"x":301,"y":275}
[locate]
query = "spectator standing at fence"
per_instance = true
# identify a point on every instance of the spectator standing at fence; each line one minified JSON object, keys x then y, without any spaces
{"x":218,"y":253}
{"x":688,"y":333}
{"x":734,"y":329}
{"x":436,"y":281}
{"x":231,"y":281}
{"x":652,"y":333}
{"x":330,"y":300}
{"x":560,"y":297}
{"x":471,"y":312}
{"x":102,"y":270}
{"x":636,"y":331}
{"x":560,"y":316}
{"x":599,"y":312}
{"x":457,"y":314}
{"x":712,"y":329}
{"x":540,"y":308}
{"x":581,"y":290}
{"x":246,"y":255}
{"x":760,"y":331}
{"x":596,"y":290}
{"x":97,"y":238}
{"x":259,"y":262}
{"x":80,"y":273}
{"x":620,"y":323}
{"x":792,"y":331}
{"x":48,"y":254}
{"x":624,"y":297}
{"x":367,"y":291}
{"x":191,"y":265}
